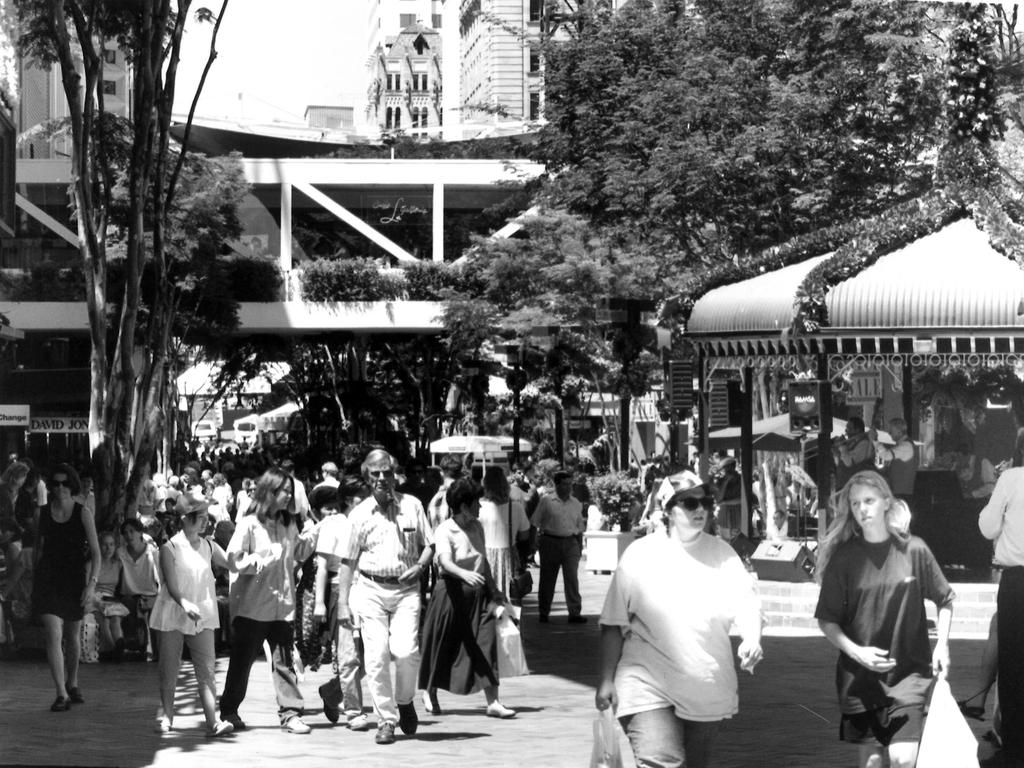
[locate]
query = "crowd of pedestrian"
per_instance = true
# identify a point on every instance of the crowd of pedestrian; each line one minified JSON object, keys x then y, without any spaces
{"x":382,"y":568}
{"x":235,"y":551}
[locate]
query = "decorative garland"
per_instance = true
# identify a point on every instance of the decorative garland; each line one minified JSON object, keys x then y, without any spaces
{"x":874,"y":238}
{"x":679,"y":307}
{"x":858,"y":245}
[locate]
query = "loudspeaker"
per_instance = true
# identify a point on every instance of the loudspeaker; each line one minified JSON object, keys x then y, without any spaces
{"x":804,"y":405}
{"x":744,"y":547}
{"x":783,"y":561}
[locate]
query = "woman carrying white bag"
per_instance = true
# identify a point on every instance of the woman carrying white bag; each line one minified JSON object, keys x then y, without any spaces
{"x":875,"y":578}
{"x":666,"y":659}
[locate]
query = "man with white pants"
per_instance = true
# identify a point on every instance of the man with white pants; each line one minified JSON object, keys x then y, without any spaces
{"x":391,"y":543}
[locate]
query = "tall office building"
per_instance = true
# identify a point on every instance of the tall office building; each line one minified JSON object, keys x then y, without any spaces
{"x":43,"y":100}
{"x":500,"y":68}
{"x":9,"y":94}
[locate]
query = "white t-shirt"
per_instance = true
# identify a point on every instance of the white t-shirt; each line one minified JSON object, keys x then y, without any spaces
{"x":675,"y":604}
{"x":332,"y":544}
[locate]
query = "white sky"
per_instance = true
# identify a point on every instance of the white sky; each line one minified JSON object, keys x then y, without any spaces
{"x":279,"y":56}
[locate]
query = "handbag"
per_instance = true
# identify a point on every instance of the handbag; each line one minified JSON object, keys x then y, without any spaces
{"x":947,"y":740}
{"x":511,"y":659}
{"x":606,"y":753}
{"x":521,"y":582}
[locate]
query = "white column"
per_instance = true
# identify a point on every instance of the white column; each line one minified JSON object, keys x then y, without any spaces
{"x":438,"y":225}
{"x":285,"y":244}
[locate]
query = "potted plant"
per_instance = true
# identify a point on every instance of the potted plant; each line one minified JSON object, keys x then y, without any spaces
{"x":615,"y":495}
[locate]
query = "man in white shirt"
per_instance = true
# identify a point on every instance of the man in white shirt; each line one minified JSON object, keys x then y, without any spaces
{"x":391,"y":543}
{"x":560,"y":525}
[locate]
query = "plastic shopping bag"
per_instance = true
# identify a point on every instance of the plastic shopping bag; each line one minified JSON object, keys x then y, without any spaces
{"x":511,"y":659}
{"x":947,"y":741}
{"x":606,"y":752}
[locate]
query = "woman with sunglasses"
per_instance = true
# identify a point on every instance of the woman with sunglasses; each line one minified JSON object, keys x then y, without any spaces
{"x":61,"y":588}
{"x":262,"y":553}
{"x":667,"y":669}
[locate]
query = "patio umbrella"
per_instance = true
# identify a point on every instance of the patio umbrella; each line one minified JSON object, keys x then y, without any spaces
{"x":773,"y":434}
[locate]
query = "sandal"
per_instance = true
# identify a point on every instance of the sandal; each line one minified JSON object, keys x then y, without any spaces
{"x":60,"y":704}
{"x":973,"y":712}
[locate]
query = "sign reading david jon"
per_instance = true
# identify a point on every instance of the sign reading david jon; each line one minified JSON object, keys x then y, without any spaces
{"x":59,"y":424}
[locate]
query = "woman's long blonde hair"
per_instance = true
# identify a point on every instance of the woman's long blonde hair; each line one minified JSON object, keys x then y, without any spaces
{"x":844,"y":523}
{"x":264,"y":497}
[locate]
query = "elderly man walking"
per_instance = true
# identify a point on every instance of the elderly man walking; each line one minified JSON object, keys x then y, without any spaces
{"x":559,"y":521}
{"x":378,"y":590}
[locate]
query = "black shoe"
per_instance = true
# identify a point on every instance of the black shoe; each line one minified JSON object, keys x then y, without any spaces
{"x":60,"y":704}
{"x":75,"y":694}
{"x":577,"y":619}
{"x":331,"y":711}
{"x":385,"y":733}
{"x":408,"y":720}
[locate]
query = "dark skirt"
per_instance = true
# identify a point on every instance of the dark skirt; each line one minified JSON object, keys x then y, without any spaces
{"x":459,"y":646}
{"x":59,"y":593}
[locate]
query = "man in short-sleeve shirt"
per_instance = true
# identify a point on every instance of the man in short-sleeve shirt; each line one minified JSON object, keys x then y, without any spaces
{"x":390,"y":545}
{"x":559,"y":521}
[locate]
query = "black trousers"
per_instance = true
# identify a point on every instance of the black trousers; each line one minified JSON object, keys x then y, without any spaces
{"x":1010,"y":606}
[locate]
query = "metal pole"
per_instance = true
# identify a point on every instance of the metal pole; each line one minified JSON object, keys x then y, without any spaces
{"x":624,"y":433}
{"x":824,"y":473}
{"x":517,"y":421}
{"x":747,"y":449}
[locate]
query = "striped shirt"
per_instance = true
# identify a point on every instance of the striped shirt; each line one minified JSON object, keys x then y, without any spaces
{"x":387,"y":542}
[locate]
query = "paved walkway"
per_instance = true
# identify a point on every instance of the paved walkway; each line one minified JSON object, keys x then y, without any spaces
{"x":788,"y":713}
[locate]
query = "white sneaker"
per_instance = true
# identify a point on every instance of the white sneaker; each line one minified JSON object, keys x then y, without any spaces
{"x":163,"y":725}
{"x":359,"y":723}
{"x":497,"y":709}
{"x":294,"y":724}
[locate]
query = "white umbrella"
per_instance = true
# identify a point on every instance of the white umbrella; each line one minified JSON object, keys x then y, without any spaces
{"x":478,"y":444}
{"x":774,"y":434}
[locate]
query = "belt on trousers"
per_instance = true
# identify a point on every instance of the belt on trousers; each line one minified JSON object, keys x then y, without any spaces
{"x":390,"y":580}
{"x":552,"y":536}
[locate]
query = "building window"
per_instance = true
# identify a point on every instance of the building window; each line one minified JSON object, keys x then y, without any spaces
{"x":435,"y":20}
{"x":406,"y":19}
{"x":110,"y":55}
{"x":536,"y":9}
{"x":388,"y":118}
{"x":109,"y":88}
{"x":394,"y":81}
{"x":419,"y":81}
{"x":398,"y":117}
{"x":534,"y":62}
{"x":535,"y":106}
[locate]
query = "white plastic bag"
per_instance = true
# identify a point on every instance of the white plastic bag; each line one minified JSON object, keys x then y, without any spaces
{"x":89,"y":640}
{"x":947,"y":740}
{"x":606,"y":752}
{"x":511,"y":659}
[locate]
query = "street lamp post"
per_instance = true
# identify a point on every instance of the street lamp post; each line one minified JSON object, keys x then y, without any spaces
{"x":516,"y":380}
{"x":625,"y":316}
{"x":544,"y":336}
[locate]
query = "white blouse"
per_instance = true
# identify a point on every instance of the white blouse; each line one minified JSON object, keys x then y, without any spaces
{"x":194,"y":574}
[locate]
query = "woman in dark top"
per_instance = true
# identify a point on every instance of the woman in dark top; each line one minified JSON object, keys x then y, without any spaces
{"x":62,"y":589}
{"x":875,"y":578}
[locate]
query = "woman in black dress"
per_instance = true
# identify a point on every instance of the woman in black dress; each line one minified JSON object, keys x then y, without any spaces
{"x":61,"y":589}
{"x":459,"y":645}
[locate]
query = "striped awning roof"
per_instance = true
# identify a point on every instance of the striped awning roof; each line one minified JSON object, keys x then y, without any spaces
{"x":949,"y":283}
